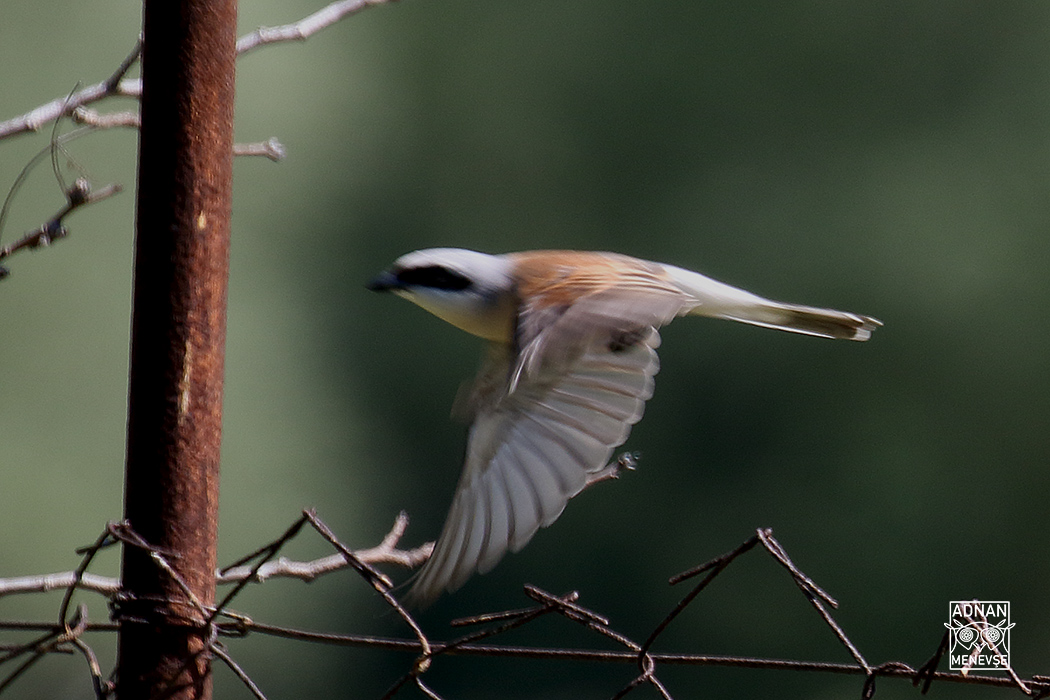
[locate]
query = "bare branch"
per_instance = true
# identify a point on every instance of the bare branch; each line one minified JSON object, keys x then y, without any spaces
{"x":386,"y":552}
{"x":304,"y":28}
{"x":270,"y":148}
{"x":78,"y":195}
{"x":46,"y":113}
{"x":118,"y":85}
{"x":86,"y":116}
{"x":52,"y":582}
{"x":75,"y":106}
{"x":114,"y":85}
{"x":90,"y":117}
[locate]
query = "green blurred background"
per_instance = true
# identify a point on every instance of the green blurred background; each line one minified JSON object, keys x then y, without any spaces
{"x":890,"y":159}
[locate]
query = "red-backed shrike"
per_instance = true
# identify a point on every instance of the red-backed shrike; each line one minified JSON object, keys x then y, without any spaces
{"x":570,"y":363}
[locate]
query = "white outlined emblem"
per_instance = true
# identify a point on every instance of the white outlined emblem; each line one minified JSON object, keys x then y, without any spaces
{"x":980,"y":635}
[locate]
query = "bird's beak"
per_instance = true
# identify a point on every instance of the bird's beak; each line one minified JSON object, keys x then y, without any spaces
{"x":384,"y":282}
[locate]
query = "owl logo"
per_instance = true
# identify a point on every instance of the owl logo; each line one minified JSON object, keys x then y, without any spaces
{"x":977,"y":636}
{"x":980,"y":635}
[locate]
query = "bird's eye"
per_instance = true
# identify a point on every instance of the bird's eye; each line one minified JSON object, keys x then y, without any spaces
{"x":434,"y":276}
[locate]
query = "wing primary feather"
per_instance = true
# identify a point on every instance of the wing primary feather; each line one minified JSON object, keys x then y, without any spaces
{"x":497,"y":533}
{"x":525,"y":502}
{"x":606,"y":405}
{"x":548,"y":490}
{"x":477,"y":518}
{"x":573,"y":447}
{"x":567,"y":466}
{"x":604,"y":429}
{"x":432,"y":578}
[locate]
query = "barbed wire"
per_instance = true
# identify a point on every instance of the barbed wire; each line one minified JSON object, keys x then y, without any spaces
{"x":221,"y":623}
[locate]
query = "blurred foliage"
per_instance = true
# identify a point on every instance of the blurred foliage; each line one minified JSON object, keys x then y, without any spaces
{"x":890,"y":159}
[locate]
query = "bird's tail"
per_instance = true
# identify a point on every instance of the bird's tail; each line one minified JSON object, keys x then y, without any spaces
{"x":719,"y":300}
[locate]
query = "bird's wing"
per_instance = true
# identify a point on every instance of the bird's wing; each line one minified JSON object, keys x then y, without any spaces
{"x":544,"y":419}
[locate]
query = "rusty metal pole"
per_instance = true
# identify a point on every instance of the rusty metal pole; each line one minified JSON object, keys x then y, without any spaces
{"x":177,"y":344}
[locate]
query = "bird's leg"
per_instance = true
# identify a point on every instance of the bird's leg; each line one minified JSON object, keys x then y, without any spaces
{"x":628,"y":461}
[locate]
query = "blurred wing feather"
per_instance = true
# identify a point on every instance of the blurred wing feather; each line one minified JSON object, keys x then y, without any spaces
{"x":530,"y":452}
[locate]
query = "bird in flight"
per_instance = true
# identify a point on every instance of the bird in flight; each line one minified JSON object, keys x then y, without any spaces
{"x":570,"y":361}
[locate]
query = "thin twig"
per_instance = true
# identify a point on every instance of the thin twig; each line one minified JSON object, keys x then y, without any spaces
{"x":75,"y":104}
{"x":385,"y":553}
{"x":51,"y":627}
{"x":57,"y":140}
{"x":306,"y":27}
{"x":44,"y":583}
{"x":119,"y":85}
{"x":46,"y":113}
{"x":79,"y":194}
{"x":87,"y":116}
{"x":270,"y":148}
{"x":114,"y":85}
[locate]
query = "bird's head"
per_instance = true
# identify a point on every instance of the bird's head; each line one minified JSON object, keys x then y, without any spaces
{"x":470,"y":290}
